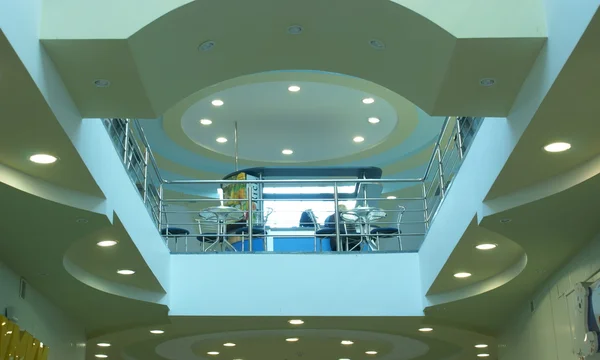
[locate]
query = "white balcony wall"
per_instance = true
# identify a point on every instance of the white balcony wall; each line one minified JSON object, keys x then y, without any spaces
{"x":295,"y":285}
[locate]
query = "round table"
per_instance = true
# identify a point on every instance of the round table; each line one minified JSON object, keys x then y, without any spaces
{"x":363,"y":216}
{"x":222,"y":215}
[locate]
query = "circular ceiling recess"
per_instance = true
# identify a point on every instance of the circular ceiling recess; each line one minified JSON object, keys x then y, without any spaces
{"x":317,"y":121}
{"x":313,"y":343}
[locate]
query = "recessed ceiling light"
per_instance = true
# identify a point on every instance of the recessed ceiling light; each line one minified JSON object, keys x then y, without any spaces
{"x":481,"y":346}
{"x":391,"y":197}
{"x":371,"y":352}
{"x":107,"y":243}
{"x":377,"y":44}
{"x":487,"y":82}
{"x":287,"y":152}
{"x":42,"y":159}
{"x":292,"y":339}
{"x":207,"y":45}
{"x":296,"y":322}
{"x":157,"y":332}
{"x":358,"y":139}
{"x":295,"y":29}
{"x":217,"y":102}
{"x":557,"y":147}
{"x":373,"y":120}
{"x":347,"y":342}
{"x":205,"y":121}
{"x":126,"y":272}
{"x":103,"y":344}
{"x":221,"y":140}
{"x":483,"y":355}
{"x":213,"y":353}
{"x":101,"y":356}
{"x":344,"y":359}
{"x":486,"y":246}
{"x":294,"y":88}
{"x":229,"y":344}
{"x":368,"y":101}
{"x":102,"y":83}
{"x":82,"y":221}
{"x":462,"y":275}
{"x":426,"y":329}
{"x":504,"y":221}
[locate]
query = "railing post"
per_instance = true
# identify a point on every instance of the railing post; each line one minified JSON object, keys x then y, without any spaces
{"x":250,"y":216}
{"x":160,"y":206}
{"x":459,"y":139}
{"x":125,"y":145}
{"x":337,"y":217}
{"x":425,"y":210}
{"x":441,"y":170}
{"x":146,"y":156}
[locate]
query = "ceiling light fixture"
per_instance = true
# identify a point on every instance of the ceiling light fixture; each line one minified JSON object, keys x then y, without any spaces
{"x":483,"y":355}
{"x":292,"y":339}
{"x":426,"y":329}
{"x":103,"y":344}
{"x":294,"y":29}
{"x":82,"y":221}
{"x":43,"y":159}
{"x":368,"y":101}
{"x":287,"y":152}
{"x":358,"y":139}
{"x":213,"y":353}
{"x":557,"y":147}
{"x":205,"y":121}
{"x":102,"y":83}
{"x":481,"y":346}
{"x":371,"y":352}
{"x":221,"y":140}
{"x":101,"y":356}
{"x":125,"y":272}
{"x":296,"y":322}
{"x":207,"y":45}
{"x":487,"y":82}
{"x":391,"y":197}
{"x":157,"y":332}
{"x":107,"y":243}
{"x":229,"y":344}
{"x":217,"y":102}
{"x":373,"y":120}
{"x":505,"y":221}
{"x":462,"y":275}
{"x":377,"y":44}
{"x":486,"y":246}
{"x":347,"y":342}
{"x":294,"y":88}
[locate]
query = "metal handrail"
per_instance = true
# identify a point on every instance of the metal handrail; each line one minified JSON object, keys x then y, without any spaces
{"x":449,"y":149}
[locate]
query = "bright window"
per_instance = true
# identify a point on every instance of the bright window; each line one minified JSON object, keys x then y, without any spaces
{"x":287,"y":213}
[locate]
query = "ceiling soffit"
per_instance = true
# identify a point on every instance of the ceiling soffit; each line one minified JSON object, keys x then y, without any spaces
{"x":426,"y":65}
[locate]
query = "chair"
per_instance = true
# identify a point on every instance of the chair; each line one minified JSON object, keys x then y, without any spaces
{"x":208,"y":233}
{"x":347,"y":229}
{"x":389,"y":232}
{"x":176,"y":233}
{"x":258,"y":239}
{"x":308,"y":219}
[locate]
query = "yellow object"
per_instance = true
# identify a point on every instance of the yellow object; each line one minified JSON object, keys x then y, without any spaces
{"x":17,"y":344}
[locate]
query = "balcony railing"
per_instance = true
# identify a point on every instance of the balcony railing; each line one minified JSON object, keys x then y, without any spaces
{"x":176,"y":205}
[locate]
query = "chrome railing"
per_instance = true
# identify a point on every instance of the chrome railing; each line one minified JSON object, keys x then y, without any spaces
{"x":174,"y":205}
